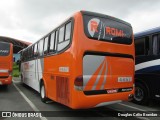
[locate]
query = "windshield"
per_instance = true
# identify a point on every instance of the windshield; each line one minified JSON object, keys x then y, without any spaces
{"x":107,"y":29}
{"x":4,"y":49}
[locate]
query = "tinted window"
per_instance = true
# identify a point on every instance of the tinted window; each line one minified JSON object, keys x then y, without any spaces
{"x":52,"y":41}
{"x":56,"y":40}
{"x":29,"y":52}
{"x":63,"y":44}
{"x":147,"y":46}
{"x":41,"y":47}
{"x":140,"y":46}
{"x":107,"y":29}
{"x":35,"y":50}
{"x":46,"y":45}
{"x":68,"y":31}
{"x":155,"y":44}
{"x":61,"y":34}
{"x":4,"y":49}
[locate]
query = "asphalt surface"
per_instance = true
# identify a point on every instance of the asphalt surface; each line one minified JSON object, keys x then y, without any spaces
{"x":18,"y":97}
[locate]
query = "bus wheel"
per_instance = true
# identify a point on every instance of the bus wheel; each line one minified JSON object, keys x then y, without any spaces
{"x":5,"y":86}
{"x":141,"y":96}
{"x":43,"y":93}
{"x":21,"y":78}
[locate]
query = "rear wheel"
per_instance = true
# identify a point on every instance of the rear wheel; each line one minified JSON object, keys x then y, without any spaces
{"x":141,"y":94}
{"x":21,"y":78}
{"x":5,"y":86}
{"x":43,"y":93}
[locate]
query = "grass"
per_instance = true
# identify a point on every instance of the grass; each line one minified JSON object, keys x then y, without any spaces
{"x":16,"y":72}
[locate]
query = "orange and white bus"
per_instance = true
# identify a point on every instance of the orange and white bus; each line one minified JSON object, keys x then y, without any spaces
{"x":87,"y":61}
{"x":6,"y":63}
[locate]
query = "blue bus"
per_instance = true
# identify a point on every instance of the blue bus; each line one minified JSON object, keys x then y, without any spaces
{"x":147,"y":68}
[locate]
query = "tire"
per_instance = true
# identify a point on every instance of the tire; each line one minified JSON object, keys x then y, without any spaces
{"x":5,"y":86}
{"x":43,"y":93}
{"x":141,"y":96}
{"x":22,"y":79}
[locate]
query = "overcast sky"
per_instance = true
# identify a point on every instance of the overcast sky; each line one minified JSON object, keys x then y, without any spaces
{"x":29,"y":20}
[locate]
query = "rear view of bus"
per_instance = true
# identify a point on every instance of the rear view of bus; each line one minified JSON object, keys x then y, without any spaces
{"x":87,"y":61}
{"x":6,"y":62}
{"x":106,"y":48}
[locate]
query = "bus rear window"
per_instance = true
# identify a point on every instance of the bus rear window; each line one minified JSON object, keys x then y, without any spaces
{"x":107,"y":29}
{"x":4,"y":49}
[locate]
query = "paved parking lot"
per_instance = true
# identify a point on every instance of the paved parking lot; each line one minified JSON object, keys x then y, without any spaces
{"x":19,"y":97}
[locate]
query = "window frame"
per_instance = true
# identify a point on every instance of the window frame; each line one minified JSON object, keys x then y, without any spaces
{"x":39,"y":51}
{"x":44,"y":43}
{"x":70,"y":31}
{"x":137,"y":40}
{"x":62,"y":26}
{"x":70,"y":40}
{"x":54,"y":50}
{"x":155,"y":40}
{"x":35,"y":48}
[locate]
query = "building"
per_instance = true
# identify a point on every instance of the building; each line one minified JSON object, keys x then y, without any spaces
{"x":18,"y":45}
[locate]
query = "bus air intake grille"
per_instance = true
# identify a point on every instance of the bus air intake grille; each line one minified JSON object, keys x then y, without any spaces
{"x":62,"y":90}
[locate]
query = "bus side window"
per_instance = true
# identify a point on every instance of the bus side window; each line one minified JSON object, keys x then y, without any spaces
{"x":155,"y":44}
{"x":67,"y":36}
{"x":140,"y":46}
{"x":41,"y":47}
{"x":147,"y":46}
{"x":29,"y":52}
{"x":52,"y":42}
{"x":32,"y":51}
{"x":35,"y":51}
{"x":61,"y":34}
{"x":68,"y":31}
{"x":46,"y":45}
{"x":56,"y":40}
{"x":159,"y":44}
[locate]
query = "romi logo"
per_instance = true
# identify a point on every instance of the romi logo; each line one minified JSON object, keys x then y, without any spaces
{"x":93,"y":26}
{"x":4,"y":51}
{"x":114,"y":32}
{"x":97,"y":26}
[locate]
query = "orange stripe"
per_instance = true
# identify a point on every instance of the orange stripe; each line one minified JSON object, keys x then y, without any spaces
{"x":92,"y":80}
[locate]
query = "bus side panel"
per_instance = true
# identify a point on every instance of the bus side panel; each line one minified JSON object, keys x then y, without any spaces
{"x":32,"y":73}
{"x":57,"y":71}
{"x":148,"y":72}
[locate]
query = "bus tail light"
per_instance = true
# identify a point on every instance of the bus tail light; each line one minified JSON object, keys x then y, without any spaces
{"x":78,"y":83}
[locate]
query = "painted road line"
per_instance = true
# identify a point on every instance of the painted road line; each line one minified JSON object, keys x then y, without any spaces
{"x":28,"y":101}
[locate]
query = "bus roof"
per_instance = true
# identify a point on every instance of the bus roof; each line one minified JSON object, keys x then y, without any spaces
{"x":147,"y":32}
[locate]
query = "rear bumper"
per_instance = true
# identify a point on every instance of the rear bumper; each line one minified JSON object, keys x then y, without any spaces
{"x":82,"y":101}
{"x":6,"y":81}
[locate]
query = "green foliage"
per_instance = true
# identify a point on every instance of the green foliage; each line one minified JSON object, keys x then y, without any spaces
{"x":16,"y":72}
